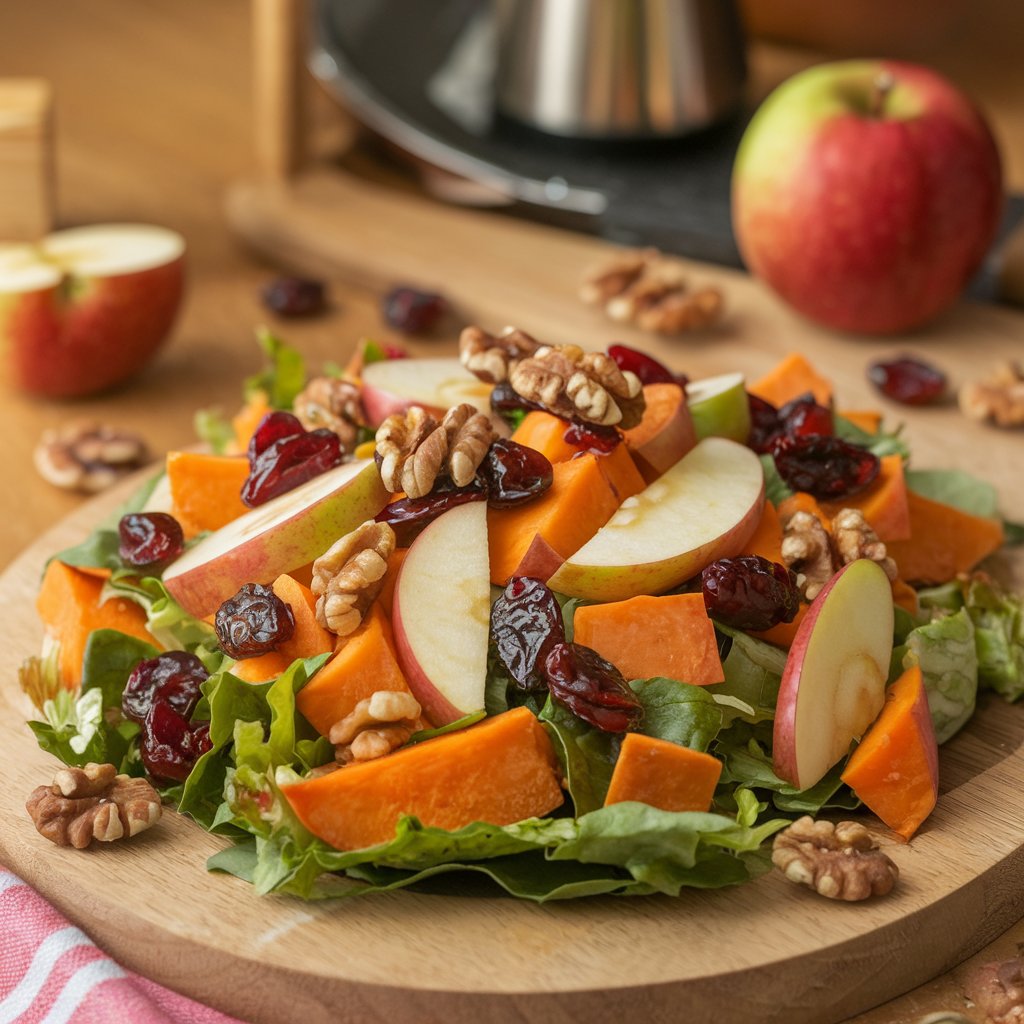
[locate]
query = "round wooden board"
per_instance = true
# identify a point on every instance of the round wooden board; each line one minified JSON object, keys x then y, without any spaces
{"x":768,"y":951}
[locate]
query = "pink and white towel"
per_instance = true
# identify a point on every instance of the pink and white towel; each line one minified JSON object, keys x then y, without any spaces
{"x":52,"y":973}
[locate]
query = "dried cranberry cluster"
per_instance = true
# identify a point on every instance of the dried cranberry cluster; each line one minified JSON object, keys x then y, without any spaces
{"x":161,"y":695}
{"x":529,"y":637}
{"x":749,"y":592}
{"x":283,"y":455}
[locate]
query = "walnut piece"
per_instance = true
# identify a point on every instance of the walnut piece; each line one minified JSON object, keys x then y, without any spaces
{"x":841,"y":862}
{"x":94,"y":802}
{"x":377,"y":725}
{"x":854,"y":538}
{"x":583,"y":385}
{"x":88,"y":457}
{"x":349,"y":575}
{"x":807,"y":550}
{"x":998,"y":399}
{"x":332,"y":403}
{"x":997,"y":989}
{"x":490,"y":356}
{"x":649,"y":290}
{"x":470,"y":434}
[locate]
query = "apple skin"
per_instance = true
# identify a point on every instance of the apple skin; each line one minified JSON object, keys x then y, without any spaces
{"x":689,"y":490}
{"x":862,"y":222}
{"x":441,"y":614}
{"x":719,"y":407}
{"x":393,"y":385}
{"x":87,"y":333}
{"x":249,"y":551}
{"x":851,"y":613}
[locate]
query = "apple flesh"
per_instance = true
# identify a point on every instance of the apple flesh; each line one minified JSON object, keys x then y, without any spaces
{"x":866,"y":193}
{"x":283,"y":535}
{"x":719,"y":407}
{"x":441,"y":614}
{"x":703,"y":508}
{"x":86,"y":308}
{"x":393,"y":385}
{"x":833,"y":684}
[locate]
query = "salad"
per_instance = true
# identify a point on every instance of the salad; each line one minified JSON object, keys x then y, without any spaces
{"x":568,"y":622}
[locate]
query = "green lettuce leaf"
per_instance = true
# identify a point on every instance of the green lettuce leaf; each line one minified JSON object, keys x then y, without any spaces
{"x":587,"y":755}
{"x":214,"y":428}
{"x":678,"y":712}
{"x":753,"y":674}
{"x":957,"y":488}
{"x":775,"y":488}
{"x":881,"y":444}
{"x":998,"y":619}
{"x":283,"y":378}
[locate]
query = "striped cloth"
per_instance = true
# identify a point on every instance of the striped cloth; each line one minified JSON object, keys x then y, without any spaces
{"x":53,"y":973}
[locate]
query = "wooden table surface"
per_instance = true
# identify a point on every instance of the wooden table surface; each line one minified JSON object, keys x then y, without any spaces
{"x":153,"y":123}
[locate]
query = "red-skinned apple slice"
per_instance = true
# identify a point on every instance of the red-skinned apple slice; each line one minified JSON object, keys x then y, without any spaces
{"x":441,"y":614}
{"x":703,"y":508}
{"x":392,"y":385}
{"x":281,"y":536}
{"x":86,"y":308}
{"x":833,"y":685}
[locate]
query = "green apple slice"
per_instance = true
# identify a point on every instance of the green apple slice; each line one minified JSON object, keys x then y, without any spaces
{"x":719,"y":407}
{"x":703,"y":508}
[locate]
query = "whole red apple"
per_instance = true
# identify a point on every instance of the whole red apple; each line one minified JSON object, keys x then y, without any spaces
{"x":87,"y":307}
{"x":866,"y":193}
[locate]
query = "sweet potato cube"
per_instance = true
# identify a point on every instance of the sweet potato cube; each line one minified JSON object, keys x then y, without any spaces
{"x":789,"y":379}
{"x":205,"y":489}
{"x":663,"y":774}
{"x":666,"y":432}
{"x":669,"y":636}
{"x":500,"y":771}
{"x":545,"y":433}
{"x":884,"y":504}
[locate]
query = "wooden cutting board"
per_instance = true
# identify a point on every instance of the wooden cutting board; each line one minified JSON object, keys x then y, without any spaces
{"x":767,"y":951}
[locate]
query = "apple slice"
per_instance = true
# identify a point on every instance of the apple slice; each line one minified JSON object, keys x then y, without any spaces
{"x":281,"y":536}
{"x":719,"y":407}
{"x":441,"y":614}
{"x":86,"y":308}
{"x":833,"y":685}
{"x":703,"y":508}
{"x":392,"y":385}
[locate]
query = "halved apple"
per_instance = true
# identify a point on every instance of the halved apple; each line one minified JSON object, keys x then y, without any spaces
{"x":703,"y":508}
{"x":281,"y":536}
{"x":719,"y":407}
{"x":833,"y":685}
{"x":392,"y":385}
{"x":441,"y":614}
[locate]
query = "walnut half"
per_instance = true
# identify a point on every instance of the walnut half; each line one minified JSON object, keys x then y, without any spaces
{"x":88,"y":457}
{"x":997,"y":989}
{"x":841,"y":862}
{"x":377,"y":725}
{"x":92,"y":803}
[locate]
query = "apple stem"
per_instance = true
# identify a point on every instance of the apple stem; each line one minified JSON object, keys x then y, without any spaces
{"x":884,"y":82}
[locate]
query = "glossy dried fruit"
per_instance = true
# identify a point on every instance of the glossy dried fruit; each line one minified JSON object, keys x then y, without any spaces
{"x":526,"y":623}
{"x":295,"y":296}
{"x":507,"y":403}
{"x":408,"y":516}
{"x":646,"y":367}
{"x":590,"y":437}
{"x":750,"y":592}
{"x":591,"y":688}
{"x":171,"y":678}
{"x":171,"y":744}
{"x":765,"y":425}
{"x":514,"y":473}
{"x":414,"y":312}
{"x":803,"y":416}
{"x":253,"y":622}
{"x":283,"y":455}
{"x":149,"y":538}
{"x":908,"y":380}
{"x":825,"y":467}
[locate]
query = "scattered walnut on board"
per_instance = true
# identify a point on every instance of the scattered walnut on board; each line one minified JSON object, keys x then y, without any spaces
{"x":998,"y":398}
{"x":88,"y":457}
{"x":997,"y":989}
{"x":92,"y":803}
{"x":838,"y":861}
{"x":378,"y":724}
{"x":650,"y":291}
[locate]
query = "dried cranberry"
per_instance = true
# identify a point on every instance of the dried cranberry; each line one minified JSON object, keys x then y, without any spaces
{"x":648,"y":369}
{"x":280,"y":461}
{"x":509,"y":404}
{"x":765,"y":424}
{"x":414,"y":312}
{"x":591,"y":688}
{"x":171,"y":744}
{"x":825,"y":467}
{"x":908,"y":380}
{"x":408,"y":516}
{"x":149,"y":538}
{"x":171,"y":678}
{"x":514,"y":473}
{"x":526,"y":623}
{"x":295,"y":296}
{"x":253,"y":622}
{"x":802,"y":417}
{"x":591,"y":437}
{"x":750,"y":592}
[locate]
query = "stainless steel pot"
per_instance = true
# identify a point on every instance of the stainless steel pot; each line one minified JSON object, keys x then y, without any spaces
{"x":619,"y":69}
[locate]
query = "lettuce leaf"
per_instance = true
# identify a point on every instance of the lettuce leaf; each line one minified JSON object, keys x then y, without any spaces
{"x":998,"y":619}
{"x":587,"y":755}
{"x":776,"y":489}
{"x":214,"y":428}
{"x":285,"y":375}
{"x":957,"y":488}
{"x":678,"y":712}
{"x":881,"y":444}
{"x":753,"y":673}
